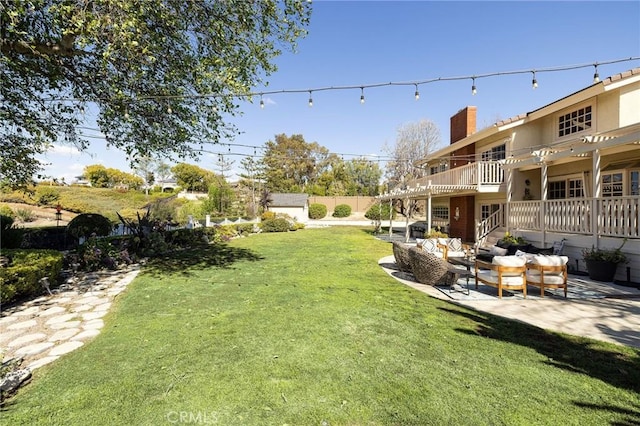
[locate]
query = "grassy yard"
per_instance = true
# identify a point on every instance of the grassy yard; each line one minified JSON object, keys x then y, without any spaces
{"x":304,"y":328}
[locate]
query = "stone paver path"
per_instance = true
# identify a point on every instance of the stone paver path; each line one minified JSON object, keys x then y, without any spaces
{"x":44,"y":329}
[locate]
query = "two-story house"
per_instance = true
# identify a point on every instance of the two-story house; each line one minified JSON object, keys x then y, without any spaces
{"x":568,"y":170}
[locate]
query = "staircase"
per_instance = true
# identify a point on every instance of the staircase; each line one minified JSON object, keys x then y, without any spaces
{"x":490,"y":239}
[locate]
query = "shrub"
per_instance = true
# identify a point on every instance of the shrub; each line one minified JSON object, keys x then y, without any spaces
{"x":10,"y":236}
{"x":47,"y":195}
{"x":22,"y":276}
{"x":317,"y":211}
{"x":86,"y":224}
{"x":6,"y":211}
{"x":25,"y":215}
{"x":342,"y":210}
{"x":267,"y":215}
{"x":380,"y":212}
{"x":275,"y":225}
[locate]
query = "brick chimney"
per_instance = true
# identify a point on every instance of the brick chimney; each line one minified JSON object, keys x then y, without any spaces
{"x":463,"y":123}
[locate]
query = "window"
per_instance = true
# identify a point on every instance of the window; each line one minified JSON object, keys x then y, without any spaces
{"x":634,"y":180}
{"x":612,"y":185}
{"x":496,"y":153}
{"x":440,"y":212}
{"x":487,"y":210}
{"x":575,"y":121}
{"x":557,"y":190}
{"x":565,"y":188}
{"x":576,"y":189}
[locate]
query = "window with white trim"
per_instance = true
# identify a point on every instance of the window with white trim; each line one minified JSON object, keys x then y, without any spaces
{"x":487,"y":210}
{"x":575,"y":121}
{"x":569,"y":187}
{"x":440,"y":212}
{"x":498,"y":152}
{"x":612,"y":184}
{"x":634,"y":182}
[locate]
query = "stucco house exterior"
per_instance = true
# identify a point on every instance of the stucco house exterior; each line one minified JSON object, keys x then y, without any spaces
{"x":294,"y":205}
{"x":567,"y":170}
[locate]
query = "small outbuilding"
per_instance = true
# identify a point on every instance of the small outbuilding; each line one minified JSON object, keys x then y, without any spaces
{"x":295,"y":205}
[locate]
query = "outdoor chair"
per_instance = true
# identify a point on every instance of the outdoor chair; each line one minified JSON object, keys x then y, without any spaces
{"x":427,"y":267}
{"x":504,"y":273}
{"x":401,"y":253}
{"x":548,"y":272}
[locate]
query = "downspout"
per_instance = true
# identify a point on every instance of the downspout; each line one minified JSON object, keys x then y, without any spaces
{"x":390,"y":217}
{"x":509,"y":198}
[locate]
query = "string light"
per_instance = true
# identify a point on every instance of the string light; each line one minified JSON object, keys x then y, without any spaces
{"x":361,"y":94}
{"x":366,"y":86}
{"x":169,"y":110}
{"x":417,"y":94}
{"x":473,"y":86}
{"x":261,"y":101}
{"x":534,"y":82}
{"x":310,"y":99}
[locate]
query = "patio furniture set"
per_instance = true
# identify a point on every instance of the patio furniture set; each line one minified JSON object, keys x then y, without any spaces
{"x":443,"y":262}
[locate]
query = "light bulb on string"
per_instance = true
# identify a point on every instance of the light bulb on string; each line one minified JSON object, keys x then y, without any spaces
{"x":261,"y":101}
{"x":310,"y":99}
{"x":169,"y":110}
{"x":473,"y":86}
{"x":417,"y":94}
{"x":596,"y":76}
{"x":534,"y":82}
{"x":361,"y":95}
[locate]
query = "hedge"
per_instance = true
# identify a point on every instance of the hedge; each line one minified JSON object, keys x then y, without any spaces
{"x":27,"y":267}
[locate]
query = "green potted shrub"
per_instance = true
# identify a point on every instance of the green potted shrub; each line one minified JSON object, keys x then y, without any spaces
{"x":603,"y":263}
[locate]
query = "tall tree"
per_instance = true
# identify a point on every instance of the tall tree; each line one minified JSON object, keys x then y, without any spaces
{"x":363,"y":177}
{"x":291,"y":163}
{"x":193,"y":178}
{"x":414,"y":142}
{"x":161,"y":74}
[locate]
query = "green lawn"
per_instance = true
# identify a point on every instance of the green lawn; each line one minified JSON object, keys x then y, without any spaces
{"x":304,"y":328}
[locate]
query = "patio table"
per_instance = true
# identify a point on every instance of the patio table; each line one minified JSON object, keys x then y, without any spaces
{"x":456,"y":271}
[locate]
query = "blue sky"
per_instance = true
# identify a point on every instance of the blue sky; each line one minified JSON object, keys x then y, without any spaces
{"x":358,"y":43}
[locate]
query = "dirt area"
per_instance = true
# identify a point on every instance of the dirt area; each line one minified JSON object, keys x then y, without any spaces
{"x":44,"y":216}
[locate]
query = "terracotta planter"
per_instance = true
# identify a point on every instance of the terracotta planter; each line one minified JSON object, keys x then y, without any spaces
{"x":601,"y":270}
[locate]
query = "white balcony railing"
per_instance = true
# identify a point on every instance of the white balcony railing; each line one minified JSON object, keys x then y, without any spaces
{"x":478,"y":173}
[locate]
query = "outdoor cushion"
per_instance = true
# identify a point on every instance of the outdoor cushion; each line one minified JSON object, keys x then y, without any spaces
{"x":549,"y":277}
{"x":508,"y":261}
{"x":492,"y":277}
{"x":549,"y":260}
{"x":454,"y":244}
{"x":513,"y":248}
{"x":498,"y":251}
{"x":430,"y":245}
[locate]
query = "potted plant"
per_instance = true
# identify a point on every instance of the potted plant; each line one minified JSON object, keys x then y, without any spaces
{"x":603,"y":263}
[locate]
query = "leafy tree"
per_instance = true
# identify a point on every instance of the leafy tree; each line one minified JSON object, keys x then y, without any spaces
{"x":162,"y":75}
{"x":291,"y":164}
{"x":102,"y":177}
{"x":220,"y":200}
{"x":363,"y":177}
{"x":193,"y":178}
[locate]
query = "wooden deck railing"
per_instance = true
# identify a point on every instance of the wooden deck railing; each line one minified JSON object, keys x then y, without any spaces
{"x":610,"y":216}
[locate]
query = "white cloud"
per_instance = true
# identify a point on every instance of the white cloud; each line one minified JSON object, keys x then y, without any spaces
{"x":64,"y":150}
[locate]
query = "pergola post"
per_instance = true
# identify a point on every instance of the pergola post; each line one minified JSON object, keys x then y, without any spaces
{"x":390,"y":217}
{"x":597,"y":193}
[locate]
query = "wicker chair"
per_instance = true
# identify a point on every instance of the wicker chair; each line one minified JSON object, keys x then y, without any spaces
{"x":401,"y":253}
{"x":428,"y":268}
